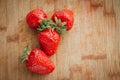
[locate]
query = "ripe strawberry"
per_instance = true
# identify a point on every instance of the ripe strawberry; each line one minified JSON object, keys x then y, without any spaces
{"x":49,"y":35}
{"x":37,"y":61}
{"x":64,"y":15}
{"x":34,"y":17}
{"x":49,"y":40}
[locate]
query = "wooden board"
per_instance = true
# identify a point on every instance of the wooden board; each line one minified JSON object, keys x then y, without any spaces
{"x":90,"y":51}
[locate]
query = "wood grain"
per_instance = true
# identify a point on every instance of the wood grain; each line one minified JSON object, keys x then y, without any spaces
{"x":90,"y":51}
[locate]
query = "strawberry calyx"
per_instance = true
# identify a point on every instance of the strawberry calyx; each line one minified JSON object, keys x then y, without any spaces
{"x":44,"y":25}
{"x":25,"y":53}
{"x":58,"y":25}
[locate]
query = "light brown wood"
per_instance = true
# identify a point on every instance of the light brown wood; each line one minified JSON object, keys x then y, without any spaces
{"x":90,"y":51}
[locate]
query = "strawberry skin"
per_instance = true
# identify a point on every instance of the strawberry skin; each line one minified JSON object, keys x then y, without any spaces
{"x":65,"y":15}
{"x":38,"y":62}
{"x":34,"y":17}
{"x":49,"y":41}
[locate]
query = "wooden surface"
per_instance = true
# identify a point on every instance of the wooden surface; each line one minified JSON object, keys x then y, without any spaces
{"x":90,"y":51}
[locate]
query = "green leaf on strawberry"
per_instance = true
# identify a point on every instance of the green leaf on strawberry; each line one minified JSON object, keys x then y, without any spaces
{"x":58,"y":25}
{"x":44,"y":25}
{"x":25,"y":53}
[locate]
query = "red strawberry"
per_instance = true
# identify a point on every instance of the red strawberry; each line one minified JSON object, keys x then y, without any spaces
{"x":34,"y":17}
{"x":65,"y":15}
{"x":49,"y":36}
{"x":49,"y":40}
{"x":37,"y":61}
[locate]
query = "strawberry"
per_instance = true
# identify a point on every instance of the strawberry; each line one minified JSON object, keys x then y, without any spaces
{"x":49,"y":36}
{"x":49,"y":40}
{"x":37,"y":61}
{"x":64,"y":15}
{"x":34,"y":17}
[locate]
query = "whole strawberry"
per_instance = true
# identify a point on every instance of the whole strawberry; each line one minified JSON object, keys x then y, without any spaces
{"x":34,"y":18}
{"x":37,"y":61}
{"x":49,"y":36}
{"x":65,"y":16}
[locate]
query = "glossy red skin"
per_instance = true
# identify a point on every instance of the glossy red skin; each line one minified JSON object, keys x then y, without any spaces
{"x":38,"y":62}
{"x":65,"y":15}
{"x":34,"y":17}
{"x":49,"y":40}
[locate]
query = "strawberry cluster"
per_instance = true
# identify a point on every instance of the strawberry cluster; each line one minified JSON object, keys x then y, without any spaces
{"x":49,"y":31}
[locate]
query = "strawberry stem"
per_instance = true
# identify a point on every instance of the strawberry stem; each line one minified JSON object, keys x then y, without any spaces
{"x":25,"y":53}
